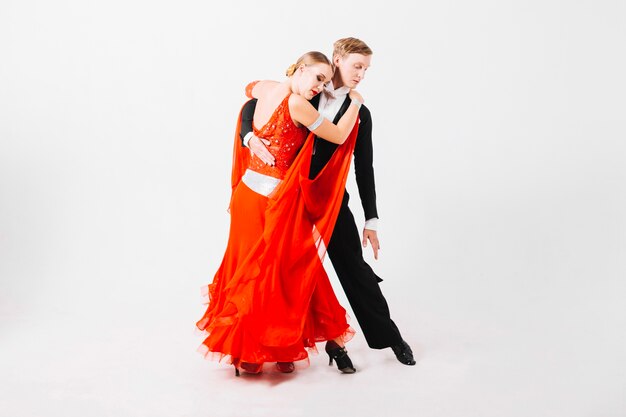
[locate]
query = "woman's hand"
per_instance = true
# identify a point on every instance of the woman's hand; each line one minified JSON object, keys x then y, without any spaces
{"x":355,"y":95}
{"x":258,"y":147}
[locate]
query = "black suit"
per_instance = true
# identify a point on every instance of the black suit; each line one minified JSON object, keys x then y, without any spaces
{"x":357,"y":278}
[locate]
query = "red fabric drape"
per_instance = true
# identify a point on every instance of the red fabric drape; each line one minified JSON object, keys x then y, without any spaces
{"x":279,"y":299}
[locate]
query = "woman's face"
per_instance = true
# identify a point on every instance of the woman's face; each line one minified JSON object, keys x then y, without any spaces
{"x":312,"y":79}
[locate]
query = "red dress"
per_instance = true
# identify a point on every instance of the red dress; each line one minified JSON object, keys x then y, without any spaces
{"x":271,"y":298}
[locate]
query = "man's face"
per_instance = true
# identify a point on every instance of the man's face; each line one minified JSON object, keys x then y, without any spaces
{"x":352,"y":68}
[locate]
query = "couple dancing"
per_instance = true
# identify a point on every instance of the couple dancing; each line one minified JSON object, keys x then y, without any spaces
{"x":271,"y":299}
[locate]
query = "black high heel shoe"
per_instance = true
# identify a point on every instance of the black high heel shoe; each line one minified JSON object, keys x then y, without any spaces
{"x":340,"y":355}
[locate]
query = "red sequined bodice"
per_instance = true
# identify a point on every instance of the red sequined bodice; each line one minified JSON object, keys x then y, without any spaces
{"x":286,"y":140}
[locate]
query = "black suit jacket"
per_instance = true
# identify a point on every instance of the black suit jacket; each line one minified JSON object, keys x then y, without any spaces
{"x":323,"y":150}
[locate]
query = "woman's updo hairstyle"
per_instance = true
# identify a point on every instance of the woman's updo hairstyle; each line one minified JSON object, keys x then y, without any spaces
{"x":310,"y":58}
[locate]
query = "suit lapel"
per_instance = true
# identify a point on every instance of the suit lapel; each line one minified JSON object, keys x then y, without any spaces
{"x":342,"y":109}
{"x":315,"y":101}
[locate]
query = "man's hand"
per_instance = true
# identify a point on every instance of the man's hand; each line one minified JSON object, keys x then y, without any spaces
{"x":258,"y":147}
{"x":372,"y":236}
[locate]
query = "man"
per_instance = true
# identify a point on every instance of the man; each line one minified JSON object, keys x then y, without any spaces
{"x":351,"y":58}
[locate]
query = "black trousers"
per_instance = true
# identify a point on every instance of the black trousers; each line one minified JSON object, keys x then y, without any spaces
{"x":360,"y":283}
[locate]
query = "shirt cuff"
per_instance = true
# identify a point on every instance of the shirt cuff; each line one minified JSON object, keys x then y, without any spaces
{"x":371,"y":224}
{"x":247,"y":138}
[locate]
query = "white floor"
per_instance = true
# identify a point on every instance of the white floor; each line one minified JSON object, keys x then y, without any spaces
{"x":542,"y":354}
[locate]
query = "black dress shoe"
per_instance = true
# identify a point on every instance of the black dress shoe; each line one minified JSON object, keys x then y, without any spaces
{"x":403,"y":353}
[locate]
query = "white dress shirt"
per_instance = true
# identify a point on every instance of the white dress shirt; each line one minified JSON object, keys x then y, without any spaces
{"x":331,"y":100}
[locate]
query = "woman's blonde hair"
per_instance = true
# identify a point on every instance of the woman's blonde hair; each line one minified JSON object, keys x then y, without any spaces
{"x":345,"y":46}
{"x":310,"y":58}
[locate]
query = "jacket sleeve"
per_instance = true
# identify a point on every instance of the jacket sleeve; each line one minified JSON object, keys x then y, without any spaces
{"x":247,"y":115}
{"x":363,"y":165}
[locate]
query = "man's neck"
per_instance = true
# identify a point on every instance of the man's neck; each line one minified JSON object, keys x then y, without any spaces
{"x":337,"y":81}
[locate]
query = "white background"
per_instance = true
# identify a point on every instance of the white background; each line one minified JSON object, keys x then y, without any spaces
{"x":499,"y":134}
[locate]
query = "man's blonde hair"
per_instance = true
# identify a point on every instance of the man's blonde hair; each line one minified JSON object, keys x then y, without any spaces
{"x":346,"y":46}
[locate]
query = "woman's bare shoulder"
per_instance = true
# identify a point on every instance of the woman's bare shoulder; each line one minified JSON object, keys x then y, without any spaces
{"x":265,"y":86}
{"x":296,"y":100}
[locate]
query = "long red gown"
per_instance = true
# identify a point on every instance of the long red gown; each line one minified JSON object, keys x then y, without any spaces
{"x":271,"y":298}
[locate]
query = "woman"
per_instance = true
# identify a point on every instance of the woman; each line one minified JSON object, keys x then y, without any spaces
{"x":271,"y":298}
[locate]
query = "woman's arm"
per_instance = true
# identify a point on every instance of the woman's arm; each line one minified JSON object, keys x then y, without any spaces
{"x":256,"y":88}
{"x":303,"y":112}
